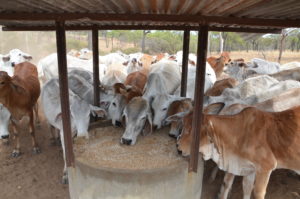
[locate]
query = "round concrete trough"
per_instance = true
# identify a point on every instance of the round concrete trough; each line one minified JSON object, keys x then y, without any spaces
{"x":173,"y":182}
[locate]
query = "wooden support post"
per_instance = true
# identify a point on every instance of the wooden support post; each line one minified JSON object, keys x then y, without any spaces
{"x":95,"y":40}
{"x":199,"y":91}
{"x":64,"y":90}
{"x":185,"y":59}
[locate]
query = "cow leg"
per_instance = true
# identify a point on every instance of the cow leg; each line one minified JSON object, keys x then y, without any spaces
{"x":16,"y":151}
{"x":54,"y":137}
{"x":261,"y":183}
{"x":36,"y":111}
{"x":213,"y":174}
{"x":226,"y":186}
{"x":248,"y":182}
{"x":35,"y":147}
{"x":65,"y":172}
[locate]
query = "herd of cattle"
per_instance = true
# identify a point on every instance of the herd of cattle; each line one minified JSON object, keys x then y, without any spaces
{"x":251,"y":122}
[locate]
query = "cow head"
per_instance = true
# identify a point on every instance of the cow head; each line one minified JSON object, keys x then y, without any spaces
{"x":85,"y":53}
{"x":226,"y":57}
{"x":16,"y":56}
{"x":137,"y":116}
{"x":5,"y":81}
{"x":184,"y":140}
{"x":115,"y":109}
{"x":160,"y":105}
{"x":80,"y":114}
{"x":181,"y":107}
{"x":122,"y":95}
{"x":134,"y":65}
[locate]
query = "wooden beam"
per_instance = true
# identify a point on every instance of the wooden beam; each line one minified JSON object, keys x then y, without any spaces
{"x":64,"y":91}
{"x":199,"y":93}
{"x":95,"y":39}
{"x":141,"y":27}
{"x":247,"y":30}
{"x":185,"y":61}
{"x":198,"y":19}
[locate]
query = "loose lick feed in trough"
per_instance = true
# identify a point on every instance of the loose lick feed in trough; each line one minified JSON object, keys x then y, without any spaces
{"x":103,"y":149}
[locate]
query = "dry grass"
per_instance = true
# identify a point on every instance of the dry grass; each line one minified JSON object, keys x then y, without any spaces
{"x":287,"y":56}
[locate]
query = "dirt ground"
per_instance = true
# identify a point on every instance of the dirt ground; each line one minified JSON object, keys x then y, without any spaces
{"x":32,"y":176}
{"x":282,"y":185}
{"x":39,"y":176}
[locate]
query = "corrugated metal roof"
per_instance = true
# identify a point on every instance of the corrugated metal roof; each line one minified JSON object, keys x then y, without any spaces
{"x":253,"y":9}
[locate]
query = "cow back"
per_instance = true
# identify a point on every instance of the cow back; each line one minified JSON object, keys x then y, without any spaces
{"x":26,"y":76}
{"x":137,"y":79}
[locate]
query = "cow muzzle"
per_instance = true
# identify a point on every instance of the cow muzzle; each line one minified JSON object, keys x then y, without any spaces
{"x":126,"y":141}
{"x":4,"y":136}
{"x":179,"y":152}
{"x":118,"y":123}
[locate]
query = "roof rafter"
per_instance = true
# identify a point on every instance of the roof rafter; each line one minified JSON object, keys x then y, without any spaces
{"x":187,"y":19}
{"x":141,"y":27}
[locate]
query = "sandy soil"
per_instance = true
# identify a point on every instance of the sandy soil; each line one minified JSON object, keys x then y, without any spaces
{"x":39,"y":176}
{"x":282,"y":185}
{"x":32,"y":176}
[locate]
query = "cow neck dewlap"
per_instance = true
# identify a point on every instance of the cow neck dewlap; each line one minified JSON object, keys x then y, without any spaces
{"x":226,"y":160}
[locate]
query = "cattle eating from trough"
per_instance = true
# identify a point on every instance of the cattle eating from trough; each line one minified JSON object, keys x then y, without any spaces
{"x":141,"y":94}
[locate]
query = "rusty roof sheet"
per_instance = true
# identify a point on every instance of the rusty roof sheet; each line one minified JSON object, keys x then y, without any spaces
{"x":184,"y":9}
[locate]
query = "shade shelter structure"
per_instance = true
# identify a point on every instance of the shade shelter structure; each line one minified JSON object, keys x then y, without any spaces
{"x":254,"y":16}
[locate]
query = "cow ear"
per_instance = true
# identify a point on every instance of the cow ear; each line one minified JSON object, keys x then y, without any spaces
{"x":96,"y":111}
{"x":125,"y":63}
{"x":192,"y":62}
{"x":104,"y":104}
{"x":27,"y":57}
{"x":117,"y":87}
{"x":6,"y":58}
{"x":176,"y":117}
{"x":214,"y":109}
{"x":123,"y":92}
{"x":58,"y":118}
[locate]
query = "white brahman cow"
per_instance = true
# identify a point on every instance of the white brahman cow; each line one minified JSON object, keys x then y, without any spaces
{"x":80,"y":112}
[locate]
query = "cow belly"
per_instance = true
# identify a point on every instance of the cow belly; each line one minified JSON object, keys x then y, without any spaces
{"x":234,"y":164}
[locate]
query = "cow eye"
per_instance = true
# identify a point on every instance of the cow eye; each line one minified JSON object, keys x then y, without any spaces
{"x":20,"y":54}
{"x":164,"y":109}
{"x":143,"y":118}
{"x":114,"y":104}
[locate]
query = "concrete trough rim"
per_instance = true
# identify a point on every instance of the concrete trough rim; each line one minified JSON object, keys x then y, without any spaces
{"x":184,"y":162}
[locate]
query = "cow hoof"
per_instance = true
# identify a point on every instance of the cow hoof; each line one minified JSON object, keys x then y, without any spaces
{"x":65,"y":180}
{"x":36,"y":150}
{"x":15,"y":154}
